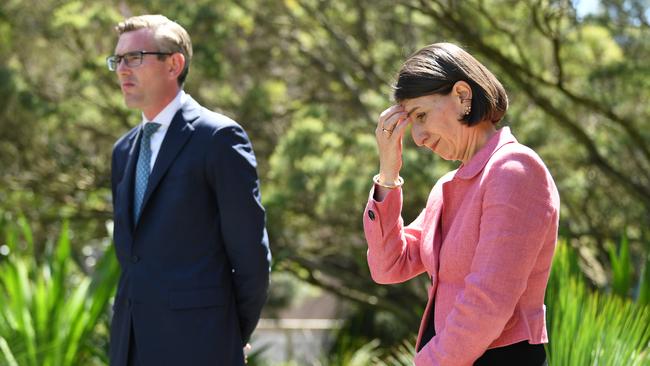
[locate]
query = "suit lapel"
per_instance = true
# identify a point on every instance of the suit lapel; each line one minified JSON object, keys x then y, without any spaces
{"x":180,"y":130}
{"x":126,"y":190}
{"x":432,"y":240}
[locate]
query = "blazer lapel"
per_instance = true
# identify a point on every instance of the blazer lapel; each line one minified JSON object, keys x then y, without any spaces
{"x":125,"y":197}
{"x":430,"y":252}
{"x":180,"y":130}
{"x":432,"y":240}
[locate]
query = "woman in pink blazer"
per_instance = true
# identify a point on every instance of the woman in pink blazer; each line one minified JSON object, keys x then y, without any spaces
{"x":487,"y":235}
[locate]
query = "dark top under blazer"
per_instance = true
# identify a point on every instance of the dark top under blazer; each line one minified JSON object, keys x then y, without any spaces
{"x":195,"y":267}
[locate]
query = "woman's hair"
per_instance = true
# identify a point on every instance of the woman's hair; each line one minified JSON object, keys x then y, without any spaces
{"x":437,"y":67}
{"x":169,"y":36}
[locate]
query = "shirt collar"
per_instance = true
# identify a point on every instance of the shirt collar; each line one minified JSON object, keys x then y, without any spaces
{"x":167,"y":114}
{"x":480,"y":159}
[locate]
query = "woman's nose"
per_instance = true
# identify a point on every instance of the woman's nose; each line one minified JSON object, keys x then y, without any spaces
{"x":419,"y":136}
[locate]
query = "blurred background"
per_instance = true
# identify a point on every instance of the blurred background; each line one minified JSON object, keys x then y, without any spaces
{"x":307,"y":80}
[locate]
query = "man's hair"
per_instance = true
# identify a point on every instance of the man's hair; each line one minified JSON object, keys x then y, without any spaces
{"x":169,"y":36}
{"x":437,"y":67}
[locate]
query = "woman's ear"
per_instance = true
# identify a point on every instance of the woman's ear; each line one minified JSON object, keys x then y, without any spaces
{"x":463,"y":91}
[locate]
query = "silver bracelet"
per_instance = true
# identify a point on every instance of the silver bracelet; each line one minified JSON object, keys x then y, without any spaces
{"x":399,"y":183}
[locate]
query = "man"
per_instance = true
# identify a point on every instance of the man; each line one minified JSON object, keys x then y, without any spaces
{"x":189,"y":225}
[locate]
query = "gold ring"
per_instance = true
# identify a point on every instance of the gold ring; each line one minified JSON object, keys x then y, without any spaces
{"x":385,"y":130}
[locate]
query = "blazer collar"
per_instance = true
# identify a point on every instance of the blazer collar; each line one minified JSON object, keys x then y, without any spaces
{"x":478,"y":161}
{"x":178,"y":134}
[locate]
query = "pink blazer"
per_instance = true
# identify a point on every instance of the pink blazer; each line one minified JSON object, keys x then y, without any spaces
{"x":486,"y":238}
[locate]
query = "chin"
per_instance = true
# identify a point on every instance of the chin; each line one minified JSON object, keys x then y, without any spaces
{"x":130,"y":102}
{"x":445,"y":156}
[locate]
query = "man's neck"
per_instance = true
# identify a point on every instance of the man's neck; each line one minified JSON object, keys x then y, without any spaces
{"x":151,"y":113}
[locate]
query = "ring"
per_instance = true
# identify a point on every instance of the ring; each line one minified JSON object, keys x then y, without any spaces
{"x":385,"y":130}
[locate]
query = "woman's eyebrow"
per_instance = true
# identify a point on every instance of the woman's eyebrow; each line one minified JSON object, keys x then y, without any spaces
{"x":412,"y":110}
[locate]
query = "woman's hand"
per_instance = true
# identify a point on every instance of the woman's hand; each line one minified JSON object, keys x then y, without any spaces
{"x":390,"y":130}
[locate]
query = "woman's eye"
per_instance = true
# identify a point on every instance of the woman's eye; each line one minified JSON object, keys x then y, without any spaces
{"x":420,"y":116}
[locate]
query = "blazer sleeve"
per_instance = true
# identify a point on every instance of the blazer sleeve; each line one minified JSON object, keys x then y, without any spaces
{"x":115,"y":175}
{"x":232,"y":170}
{"x":393,"y":250}
{"x":520,"y":205}
{"x":118,"y":165}
{"x":118,"y":160}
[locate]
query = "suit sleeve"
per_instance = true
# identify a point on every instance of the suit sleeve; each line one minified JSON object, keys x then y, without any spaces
{"x":114,"y":174}
{"x":393,"y":250}
{"x":117,"y":168}
{"x":517,"y":211}
{"x":233,"y":171}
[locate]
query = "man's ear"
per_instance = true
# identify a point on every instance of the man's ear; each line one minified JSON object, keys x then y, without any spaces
{"x":176,"y":64}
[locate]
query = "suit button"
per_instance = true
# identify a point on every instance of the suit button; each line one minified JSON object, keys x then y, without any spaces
{"x":371,"y":215}
{"x":134,"y":259}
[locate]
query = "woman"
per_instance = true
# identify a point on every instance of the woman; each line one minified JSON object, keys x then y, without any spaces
{"x":487,"y":235}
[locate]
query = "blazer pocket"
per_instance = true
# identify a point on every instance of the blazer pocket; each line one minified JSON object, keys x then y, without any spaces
{"x":200,"y":298}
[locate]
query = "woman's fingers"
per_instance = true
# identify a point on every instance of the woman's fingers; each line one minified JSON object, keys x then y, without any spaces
{"x":400,"y":127}
{"x":394,"y":120}
{"x":389,"y":118}
{"x":390,"y":111}
{"x":393,"y":127}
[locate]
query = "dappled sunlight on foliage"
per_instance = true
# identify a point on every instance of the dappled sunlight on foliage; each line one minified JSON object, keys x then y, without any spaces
{"x":307,"y":79}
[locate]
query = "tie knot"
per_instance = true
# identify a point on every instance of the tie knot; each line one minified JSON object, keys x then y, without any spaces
{"x":150,"y":128}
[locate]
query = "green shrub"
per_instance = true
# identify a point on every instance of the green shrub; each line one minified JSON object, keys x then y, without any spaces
{"x":622,"y":267}
{"x":589,"y":327}
{"x":50,"y":309}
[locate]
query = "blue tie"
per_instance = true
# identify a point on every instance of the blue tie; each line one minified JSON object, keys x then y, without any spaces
{"x":143,"y":168}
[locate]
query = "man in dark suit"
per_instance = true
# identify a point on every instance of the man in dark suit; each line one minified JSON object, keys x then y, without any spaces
{"x":189,"y":225}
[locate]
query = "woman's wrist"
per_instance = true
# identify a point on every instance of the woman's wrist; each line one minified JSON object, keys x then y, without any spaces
{"x":391,"y":184}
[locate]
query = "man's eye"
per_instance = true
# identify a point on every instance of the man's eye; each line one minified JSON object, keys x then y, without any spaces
{"x":131,"y":57}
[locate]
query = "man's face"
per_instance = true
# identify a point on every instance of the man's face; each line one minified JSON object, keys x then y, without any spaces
{"x":145,"y":86}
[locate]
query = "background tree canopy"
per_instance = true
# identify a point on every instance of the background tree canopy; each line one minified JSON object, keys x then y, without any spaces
{"x":307,"y":79}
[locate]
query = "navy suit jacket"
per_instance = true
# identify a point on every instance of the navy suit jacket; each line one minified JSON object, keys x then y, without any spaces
{"x":195,"y":267}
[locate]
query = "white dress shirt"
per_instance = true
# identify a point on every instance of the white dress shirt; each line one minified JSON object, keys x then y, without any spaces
{"x":165,"y":119}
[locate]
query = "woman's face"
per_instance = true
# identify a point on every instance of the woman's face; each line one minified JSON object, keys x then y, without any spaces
{"x":435,"y":124}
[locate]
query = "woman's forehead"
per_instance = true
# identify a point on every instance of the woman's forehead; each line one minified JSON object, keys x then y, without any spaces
{"x":414,"y":103}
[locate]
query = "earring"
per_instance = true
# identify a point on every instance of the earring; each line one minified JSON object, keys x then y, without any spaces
{"x":468,"y":107}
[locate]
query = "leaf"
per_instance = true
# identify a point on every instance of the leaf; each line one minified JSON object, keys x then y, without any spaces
{"x":644,"y":283}
{"x":622,"y":267}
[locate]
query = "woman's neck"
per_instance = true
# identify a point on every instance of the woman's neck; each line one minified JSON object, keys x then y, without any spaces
{"x":477,"y":136}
